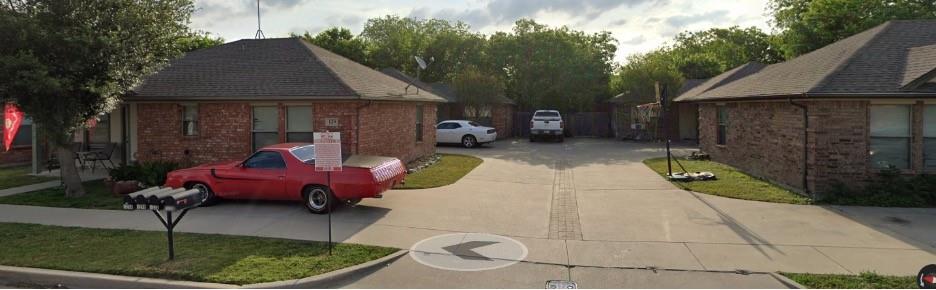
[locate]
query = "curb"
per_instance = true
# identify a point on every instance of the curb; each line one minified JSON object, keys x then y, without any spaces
{"x":330,"y":279}
{"x":786,"y":281}
{"x":71,"y":279}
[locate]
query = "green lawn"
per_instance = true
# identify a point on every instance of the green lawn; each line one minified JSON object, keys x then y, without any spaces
{"x":730,"y":183}
{"x":450,"y":169}
{"x":862,"y":281}
{"x":18,"y":176}
{"x":199,"y":257}
{"x":96,"y":197}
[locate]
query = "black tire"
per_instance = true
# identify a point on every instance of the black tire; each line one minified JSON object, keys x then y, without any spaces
{"x":318,"y":199}
{"x":532,"y":139}
{"x":208,"y":196}
{"x":469,"y":141}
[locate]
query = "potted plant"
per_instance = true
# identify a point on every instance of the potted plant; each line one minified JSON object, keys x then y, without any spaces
{"x":124,"y":179}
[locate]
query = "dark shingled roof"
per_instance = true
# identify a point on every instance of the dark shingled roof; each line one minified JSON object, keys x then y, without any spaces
{"x":687,"y":85}
{"x":440,"y":89}
{"x":271,"y":69}
{"x":878,"y":62}
{"x":720,"y":80}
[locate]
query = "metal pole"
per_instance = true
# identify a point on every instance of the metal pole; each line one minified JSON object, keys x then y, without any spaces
{"x":330,"y":203}
{"x":169,"y":226}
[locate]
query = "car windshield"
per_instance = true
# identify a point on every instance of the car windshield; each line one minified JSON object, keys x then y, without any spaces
{"x":474,"y":124}
{"x":547,"y":114}
{"x":304,"y":153}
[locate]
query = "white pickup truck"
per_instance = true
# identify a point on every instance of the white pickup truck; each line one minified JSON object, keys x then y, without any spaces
{"x":546,"y":123}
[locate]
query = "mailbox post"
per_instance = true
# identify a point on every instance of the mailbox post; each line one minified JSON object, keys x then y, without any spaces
{"x":168,"y":200}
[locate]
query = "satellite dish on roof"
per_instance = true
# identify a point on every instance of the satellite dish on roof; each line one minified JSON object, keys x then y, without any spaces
{"x":421,"y":62}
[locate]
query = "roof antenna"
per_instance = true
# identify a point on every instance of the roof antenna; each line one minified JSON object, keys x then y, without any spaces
{"x":259,"y":34}
{"x":422,"y":65}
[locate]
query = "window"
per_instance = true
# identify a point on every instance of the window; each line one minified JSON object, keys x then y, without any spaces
{"x":304,"y":153}
{"x":890,"y":136}
{"x":419,"y":123}
{"x":722,"y":131}
{"x":189,"y":119}
{"x":265,"y":160}
{"x":23,"y":137}
{"x":929,"y":137}
{"x":265,"y":126}
{"x":100,"y":133}
{"x":299,"y":124}
{"x":449,"y":125}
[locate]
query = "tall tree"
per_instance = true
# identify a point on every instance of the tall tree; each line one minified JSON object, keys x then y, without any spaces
{"x":393,"y":42}
{"x":806,"y":25}
{"x":65,"y":61}
{"x":196,"y":40}
{"x":341,"y":41}
{"x":693,"y":55}
{"x":547,"y":67}
{"x":477,"y":89}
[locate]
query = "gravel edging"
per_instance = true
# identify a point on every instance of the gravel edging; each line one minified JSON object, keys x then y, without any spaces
{"x":71,"y":279}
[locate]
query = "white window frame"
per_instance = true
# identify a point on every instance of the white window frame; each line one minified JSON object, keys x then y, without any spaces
{"x":194,"y":131}
{"x":311,"y":119}
{"x":908,"y":137}
{"x":253,"y":130}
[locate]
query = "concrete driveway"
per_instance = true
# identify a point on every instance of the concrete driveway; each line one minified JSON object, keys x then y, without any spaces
{"x":585,"y":203}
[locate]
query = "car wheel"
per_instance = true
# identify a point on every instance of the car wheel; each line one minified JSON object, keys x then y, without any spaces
{"x":469,"y":141}
{"x":208,"y":196}
{"x":532,"y":139}
{"x":318,"y":199}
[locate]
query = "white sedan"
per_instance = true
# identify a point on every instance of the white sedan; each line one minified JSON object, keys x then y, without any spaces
{"x":466,"y":133}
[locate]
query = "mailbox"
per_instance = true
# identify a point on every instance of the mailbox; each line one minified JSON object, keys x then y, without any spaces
{"x":164,"y":199}
{"x":182,"y":200}
{"x":154,"y":201}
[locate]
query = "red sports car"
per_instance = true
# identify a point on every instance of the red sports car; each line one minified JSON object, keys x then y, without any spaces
{"x":287,"y":172}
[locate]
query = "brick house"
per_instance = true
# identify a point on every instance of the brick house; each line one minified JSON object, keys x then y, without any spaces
{"x":499,"y":115}
{"x":224,"y":102}
{"x":835,"y":115}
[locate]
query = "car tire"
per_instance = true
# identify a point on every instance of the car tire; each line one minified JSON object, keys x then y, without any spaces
{"x":208,"y":196}
{"x":532,"y":139}
{"x":318,"y":199}
{"x":469,"y":141}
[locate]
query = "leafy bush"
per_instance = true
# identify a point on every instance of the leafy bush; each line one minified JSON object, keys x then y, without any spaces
{"x":151,"y":173}
{"x":890,"y":189}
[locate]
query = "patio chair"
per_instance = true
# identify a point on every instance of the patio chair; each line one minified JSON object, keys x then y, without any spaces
{"x":102,"y":156}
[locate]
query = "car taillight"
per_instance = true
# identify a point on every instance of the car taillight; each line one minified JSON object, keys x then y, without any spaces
{"x":560,"y":125}
{"x":531,"y":124}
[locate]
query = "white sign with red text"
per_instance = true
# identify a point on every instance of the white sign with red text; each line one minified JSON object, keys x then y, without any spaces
{"x":327,"y":151}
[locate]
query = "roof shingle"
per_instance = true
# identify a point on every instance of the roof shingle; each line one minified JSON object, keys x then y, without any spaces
{"x":271,"y":69}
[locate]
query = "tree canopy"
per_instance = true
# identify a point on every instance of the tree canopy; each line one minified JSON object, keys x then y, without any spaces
{"x":341,"y":41}
{"x":693,"y":55}
{"x":806,"y":25}
{"x":64,"y":62}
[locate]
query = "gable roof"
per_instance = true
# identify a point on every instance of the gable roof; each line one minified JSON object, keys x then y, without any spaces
{"x":720,"y":80}
{"x":438,"y":88}
{"x":271,"y":69}
{"x":875,"y":62}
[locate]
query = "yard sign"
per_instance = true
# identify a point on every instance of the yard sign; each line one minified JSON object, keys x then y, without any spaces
{"x":327,"y":151}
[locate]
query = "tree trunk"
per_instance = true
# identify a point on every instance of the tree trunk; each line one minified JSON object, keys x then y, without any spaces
{"x":70,"y":177}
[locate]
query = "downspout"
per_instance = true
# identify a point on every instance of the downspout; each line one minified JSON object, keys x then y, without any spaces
{"x":805,"y":143}
{"x":357,"y":132}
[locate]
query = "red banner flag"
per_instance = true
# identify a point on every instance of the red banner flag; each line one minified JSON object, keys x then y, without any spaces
{"x":12,"y":118}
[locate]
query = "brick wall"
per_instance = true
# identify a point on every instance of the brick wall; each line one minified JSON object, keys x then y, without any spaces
{"x":389,"y":129}
{"x":502,"y":116}
{"x":838,"y":143}
{"x":15,"y":156}
{"x":764,"y":139}
{"x":223,"y":133}
{"x":224,"y":130}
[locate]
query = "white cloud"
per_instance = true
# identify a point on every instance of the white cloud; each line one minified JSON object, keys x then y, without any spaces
{"x":639,"y":25}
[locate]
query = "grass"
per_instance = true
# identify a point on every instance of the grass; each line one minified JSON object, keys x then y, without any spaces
{"x":731,"y":182}
{"x":199,"y":257}
{"x":11,"y":177}
{"x":96,"y":197}
{"x":448,"y":170}
{"x":865,"y":280}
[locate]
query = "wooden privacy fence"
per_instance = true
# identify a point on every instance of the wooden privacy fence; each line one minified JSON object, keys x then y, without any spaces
{"x":585,"y":124}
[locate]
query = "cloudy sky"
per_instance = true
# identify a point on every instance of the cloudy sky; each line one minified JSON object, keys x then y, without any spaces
{"x":638,"y":25}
